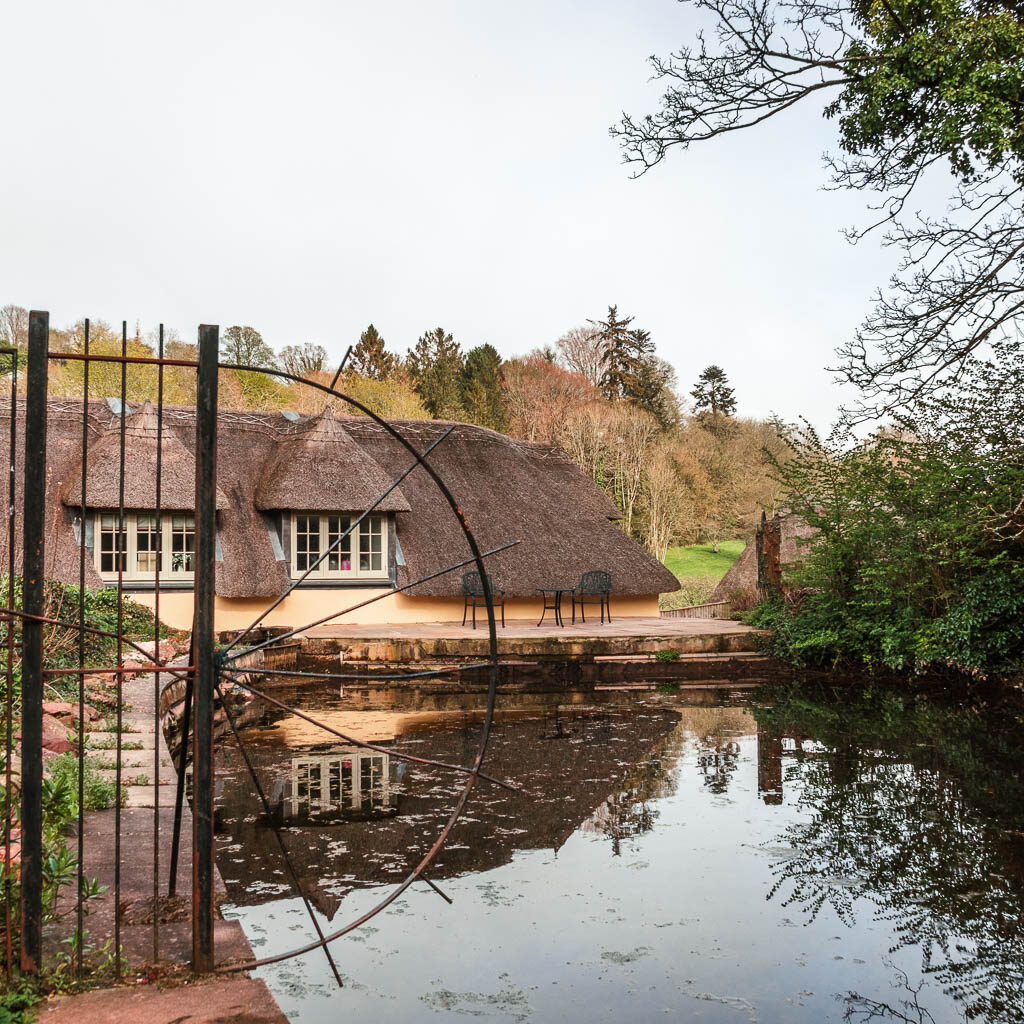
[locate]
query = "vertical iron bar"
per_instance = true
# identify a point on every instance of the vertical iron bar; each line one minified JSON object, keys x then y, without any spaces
{"x":80,"y":900}
{"x":122,"y":556}
{"x":156,"y":651}
{"x":179,"y":795}
{"x":203,"y":641}
{"x":9,"y":717}
{"x":32,"y":598}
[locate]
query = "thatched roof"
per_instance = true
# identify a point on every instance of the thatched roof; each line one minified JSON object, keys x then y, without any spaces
{"x":509,"y":490}
{"x":319,"y":467}
{"x":177,"y":468}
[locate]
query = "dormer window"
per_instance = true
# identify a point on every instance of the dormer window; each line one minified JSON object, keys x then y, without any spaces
{"x":134,"y":550}
{"x":363,"y":554}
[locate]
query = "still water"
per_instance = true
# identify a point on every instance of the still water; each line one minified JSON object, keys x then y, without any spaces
{"x":699,"y":856}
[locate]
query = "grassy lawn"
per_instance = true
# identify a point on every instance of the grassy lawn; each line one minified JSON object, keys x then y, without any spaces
{"x":700,"y":560}
{"x":699,"y":569}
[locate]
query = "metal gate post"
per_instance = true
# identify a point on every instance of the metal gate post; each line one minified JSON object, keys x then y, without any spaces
{"x":203,"y":649}
{"x":32,"y":598}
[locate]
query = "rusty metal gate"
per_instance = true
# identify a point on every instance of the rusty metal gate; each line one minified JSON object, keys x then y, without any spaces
{"x":27,"y":617}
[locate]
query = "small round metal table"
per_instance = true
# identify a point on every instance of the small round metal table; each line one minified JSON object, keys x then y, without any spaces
{"x":553,"y":602}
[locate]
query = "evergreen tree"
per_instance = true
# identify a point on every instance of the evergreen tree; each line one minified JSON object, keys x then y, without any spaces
{"x":435,"y":365}
{"x":713,"y":394}
{"x":369,"y":358}
{"x":617,"y":344}
{"x":480,"y":388}
{"x":653,"y":390}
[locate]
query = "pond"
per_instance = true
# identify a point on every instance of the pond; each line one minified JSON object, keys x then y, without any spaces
{"x":704,"y":856}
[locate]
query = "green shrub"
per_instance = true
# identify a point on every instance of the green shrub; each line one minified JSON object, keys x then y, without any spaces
{"x":63,"y":776}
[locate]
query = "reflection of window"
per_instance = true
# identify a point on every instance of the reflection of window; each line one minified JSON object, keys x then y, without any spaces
{"x":361,"y":554}
{"x":136,"y":548}
{"x":351,"y":780}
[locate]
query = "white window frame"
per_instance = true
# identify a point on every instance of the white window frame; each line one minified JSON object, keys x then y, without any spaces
{"x":361,"y":542}
{"x":169,"y":521}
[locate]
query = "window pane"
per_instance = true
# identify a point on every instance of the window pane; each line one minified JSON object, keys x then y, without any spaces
{"x":371,"y":545}
{"x":340,"y":559}
{"x":145,"y":544}
{"x":307,"y":542}
{"x":113,"y":545}
{"x":183,"y":543}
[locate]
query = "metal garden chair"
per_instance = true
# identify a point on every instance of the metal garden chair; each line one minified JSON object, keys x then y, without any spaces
{"x":595,"y":587}
{"x":473,"y":594}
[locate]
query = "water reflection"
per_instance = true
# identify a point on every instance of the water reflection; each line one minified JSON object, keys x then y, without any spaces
{"x":347,"y":784}
{"x":785,"y":857}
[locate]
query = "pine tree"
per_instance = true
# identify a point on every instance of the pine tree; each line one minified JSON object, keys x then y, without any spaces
{"x":653,"y":390}
{"x":435,"y":365}
{"x":369,"y":358}
{"x":713,"y":394}
{"x":618,"y":343}
{"x":480,"y":388}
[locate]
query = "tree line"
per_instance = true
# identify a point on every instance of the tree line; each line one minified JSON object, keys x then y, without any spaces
{"x":679,"y":471}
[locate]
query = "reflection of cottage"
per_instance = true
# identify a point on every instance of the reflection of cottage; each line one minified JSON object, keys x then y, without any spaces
{"x":290,"y":487}
{"x":349,"y":783}
{"x":564,"y":783}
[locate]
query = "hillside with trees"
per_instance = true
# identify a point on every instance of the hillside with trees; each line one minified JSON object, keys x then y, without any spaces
{"x":679,"y":473}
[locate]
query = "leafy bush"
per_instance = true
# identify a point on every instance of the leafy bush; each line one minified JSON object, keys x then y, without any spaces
{"x":918,"y":559}
{"x":59,"y":864}
{"x":63,"y":772}
{"x":17,"y":1004}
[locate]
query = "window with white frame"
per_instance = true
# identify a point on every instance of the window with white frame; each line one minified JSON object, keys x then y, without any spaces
{"x":135,"y":549}
{"x":361,"y":554}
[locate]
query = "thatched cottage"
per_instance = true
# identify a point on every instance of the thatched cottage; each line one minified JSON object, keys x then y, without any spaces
{"x":289,"y":485}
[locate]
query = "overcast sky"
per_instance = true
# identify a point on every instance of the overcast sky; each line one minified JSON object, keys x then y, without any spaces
{"x":311,"y":167}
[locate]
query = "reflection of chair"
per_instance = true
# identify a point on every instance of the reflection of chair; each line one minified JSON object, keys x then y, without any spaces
{"x":473,"y":593}
{"x":595,"y":588}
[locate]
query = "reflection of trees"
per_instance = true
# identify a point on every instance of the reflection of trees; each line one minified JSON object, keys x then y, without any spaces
{"x":626,"y":813}
{"x":939,"y":868}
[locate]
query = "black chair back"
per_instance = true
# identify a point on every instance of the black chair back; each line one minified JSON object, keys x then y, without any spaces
{"x":472,"y":585}
{"x":596,"y":582}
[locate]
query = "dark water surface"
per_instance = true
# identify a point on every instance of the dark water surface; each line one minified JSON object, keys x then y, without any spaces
{"x":673,"y":857}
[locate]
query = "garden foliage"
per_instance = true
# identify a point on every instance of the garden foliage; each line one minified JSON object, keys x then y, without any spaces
{"x":918,"y":560}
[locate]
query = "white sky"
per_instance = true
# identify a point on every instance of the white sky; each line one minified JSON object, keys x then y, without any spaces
{"x":310,"y":167}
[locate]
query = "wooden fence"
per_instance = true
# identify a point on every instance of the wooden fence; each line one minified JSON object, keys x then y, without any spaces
{"x":715,"y":610}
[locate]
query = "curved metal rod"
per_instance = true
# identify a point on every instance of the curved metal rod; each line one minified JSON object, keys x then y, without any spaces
{"x":492,"y":689}
{"x":474,"y":772}
{"x":365,"y":744}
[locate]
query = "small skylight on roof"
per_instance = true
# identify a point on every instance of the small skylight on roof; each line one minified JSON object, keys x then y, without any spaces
{"x":115,"y":406}
{"x":289,"y":415}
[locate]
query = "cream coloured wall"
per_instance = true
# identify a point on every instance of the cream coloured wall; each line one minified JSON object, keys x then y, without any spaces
{"x":303,"y":606}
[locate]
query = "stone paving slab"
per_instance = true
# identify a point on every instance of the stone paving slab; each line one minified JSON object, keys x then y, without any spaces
{"x":236,"y":1000}
{"x":527,"y":629}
